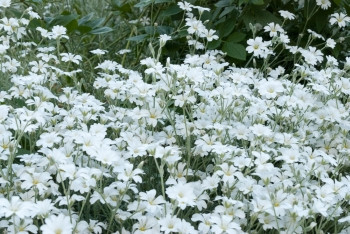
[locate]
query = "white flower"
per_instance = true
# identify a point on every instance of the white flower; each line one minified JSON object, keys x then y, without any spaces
{"x":37,"y":180}
{"x":273,"y":29}
{"x":315,"y":34}
{"x":4,"y":110}
{"x":152,"y":202}
{"x":59,"y":31}
{"x":107,"y":65}
{"x":201,"y":9}
{"x":284,"y":38}
{"x":340,"y":18}
{"x":240,"y":131}
{"x":195,"y":26}
{"x":5,"y":3}
{"x":69,"y":57}
{"x":287,"y":15}
{"x":185,"y":6}
{"x":146,"y":224}
{"x":258,"y":47}
{"x":312,"y":56}
{"x":14,"y":207}
{"x":225,"y":224}
{"x":289,"y":155}
{"x":332,"y":61}
{"x":261,"y":130}
{"x":11,"y":65}
{"x":270,"y":88}
{"x":330,"y":43}
{"x":32,"y":14}
{"x":183,"y":194}
{"x":57,"y":224}
{"x":9,"y":25}
{"x":325,"y":4}
{"x":48,"y":139}
{"x":209,"y":34}
{"x":44,"y":208}
{"x":169,"y":224}
{"x":123,"y":51}
{"x":163,"y":39}
{"x":98,"y":51}
{"x":3,"y":48}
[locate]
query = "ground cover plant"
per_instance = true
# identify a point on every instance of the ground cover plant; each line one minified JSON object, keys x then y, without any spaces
{"x":89,"y":144}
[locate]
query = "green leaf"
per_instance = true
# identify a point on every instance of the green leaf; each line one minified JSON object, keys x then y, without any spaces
{"x":62,"y":19}
{"x":336,"y":50}
{"x":226,"y":27}
{"x":242,"y":1}
{"x":34,"y":23}
{"x":84,"y":29}
{"x":162,"y":1}
{"x":182,"y":33}
{"x":86,"y":18}
{"x":261,"y":16}
{"x":215,"y":14}
{"x":258,"y":2}
{"x":101,"y":30}
{"x":150,"y":30}
{"x":171,"y":10}
{"x":226,"y":11}
{"x":214,"y":44}
{"x":235,"y":50}
{"x":36,"y":1}
{"x":338,"y":2}
{"x":77,"y":8}
{"x":138,"y":38}
{"x":22,"y":151}
{"x":121,"y":6}
{"x":73,"y":25}
{"x":165,"y":30}
{"x":223,"y":3}
{"x":236,"y":37}
{"x":95,"y":23}
{"x":143,"y":3}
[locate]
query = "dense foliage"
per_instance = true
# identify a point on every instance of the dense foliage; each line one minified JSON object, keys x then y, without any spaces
{"x":190,"y":117}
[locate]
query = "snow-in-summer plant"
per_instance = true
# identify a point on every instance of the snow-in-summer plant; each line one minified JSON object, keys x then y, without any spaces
{"x":196,"y":147}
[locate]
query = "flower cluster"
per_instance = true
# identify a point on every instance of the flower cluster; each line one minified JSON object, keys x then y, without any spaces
{"x":197,"y":147}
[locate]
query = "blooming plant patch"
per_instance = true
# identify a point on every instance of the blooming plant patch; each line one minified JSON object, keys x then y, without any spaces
{"x":197,"y":147}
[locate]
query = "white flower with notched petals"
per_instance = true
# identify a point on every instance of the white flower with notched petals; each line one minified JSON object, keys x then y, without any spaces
{"x":48,"y":139}
{"x":163,"y":39}
{"x":270,"y":88}
{"x":57,"y":224}
{"x":340,"y":18}
{"x":287,"y":15}
{"x":261,"y":130}
{"x":98,"y":51}
{"x":273,"y":29}
{"x":185,"y":6}
{"x":183,"y":194}
{"x":195,"y":26}
{"x":169,"y":224}
{"x":123,"y":51}
{"x":69,"y":57}
{"x":10,"y":25}
{"x":312,"y":56}
{"x":324,"y":4}
{"x":5,"y":3}
{"x":330,"y":43}
{"x":15,"y":207}
{"x":258,"y":47}
{"x":209,"y":35}
{"x":3,"y":48}
{"x":58,"y":32}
